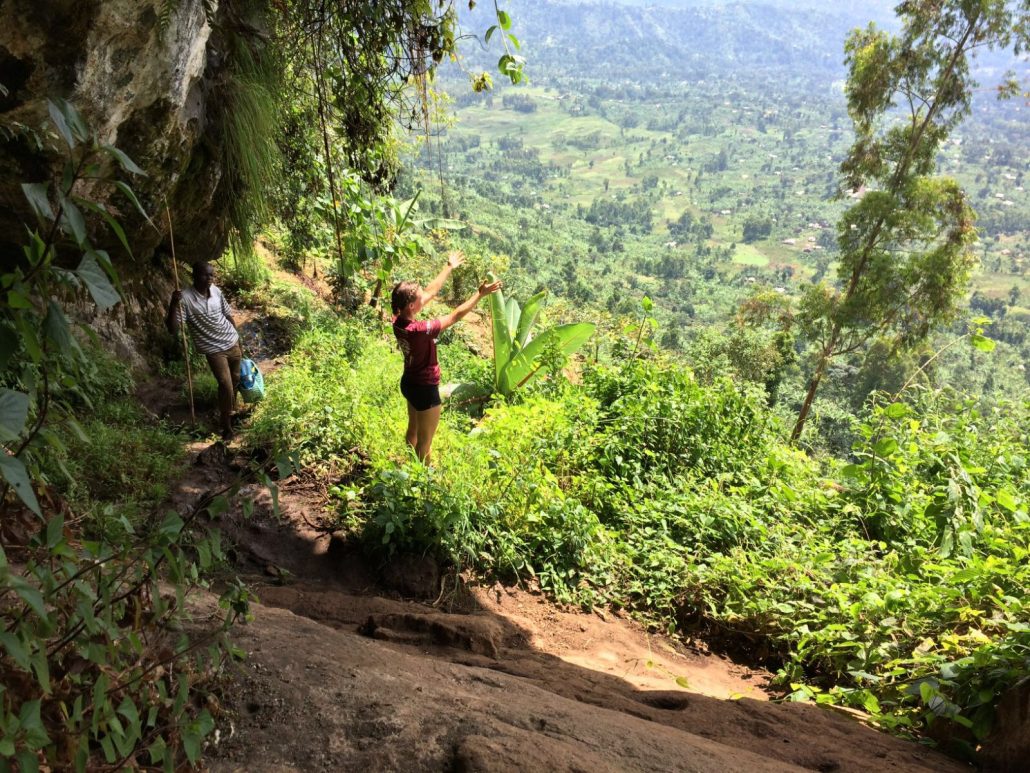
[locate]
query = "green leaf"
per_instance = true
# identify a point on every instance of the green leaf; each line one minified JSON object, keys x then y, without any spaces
{"x":683,"y":682}
{"x":529,"y":314}
{"x":42,"y":669}
{"x":9,"y":344}
{"x":983,"y":343}
{"x":128,"y":710}
{"x":926,"y":692}
{"x":897,"y":410}
{"x":965,"y":575}
{"x":13,"y":471}
{"x":501,"y":334}
{"x":29,"y":338}
{"x":512,"y":311}
{"x":122,"y":157}
{"x":72,"y":221}
{"x":870,"y":703}
{"x":524,"y":366}
{"x":61,"y":123}
{"x":490,"y":32}
{"x":96,"y":280}
{"x":194,"y":733}
{"x":1005,"y":498}
{"x":55,"y":326}
{"x":128,"y":193}
{"x":7,"y":747}
{"x":444,"y":223}
{"x":72,"y":119}
{"x":504,"y":20}
{"x":36,"y":193}
{"x":78,"y":431}
{"x":16,"y":649}
{"x":28,"y":762}
{"x":32,"y":725}
{"x":54,"y":530}
{"x":515,"y":42}
{"x":157,"y":751}
{"x":30,"y":594}
{"x":107,"y":745}
{"x":113,"y":224}
{"x":14,"y":412}
{"x":885,"y":447}
{"x":18,"y":300}
{"x":172,"y":525}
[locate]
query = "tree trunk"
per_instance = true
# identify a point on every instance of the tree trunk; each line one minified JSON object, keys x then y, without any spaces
{"x":813,"y":387}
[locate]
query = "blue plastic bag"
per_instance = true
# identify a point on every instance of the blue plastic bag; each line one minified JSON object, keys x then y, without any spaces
{"x":252,"y":383}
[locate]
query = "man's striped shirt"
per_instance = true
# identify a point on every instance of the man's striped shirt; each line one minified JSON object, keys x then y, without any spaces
{"x":208,"y":321}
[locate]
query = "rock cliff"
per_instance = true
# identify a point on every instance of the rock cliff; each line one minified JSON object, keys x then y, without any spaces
{"x":149,"y":77}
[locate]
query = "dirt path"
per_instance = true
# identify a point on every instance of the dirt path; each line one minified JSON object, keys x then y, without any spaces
{"x":358,"y":667}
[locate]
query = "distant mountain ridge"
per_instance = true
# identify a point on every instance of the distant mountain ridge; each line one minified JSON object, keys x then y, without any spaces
{"x":634,"y":40}
{"x":880,"y":11}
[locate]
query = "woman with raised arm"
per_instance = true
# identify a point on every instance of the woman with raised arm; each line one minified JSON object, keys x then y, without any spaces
{"x":416,"y":339}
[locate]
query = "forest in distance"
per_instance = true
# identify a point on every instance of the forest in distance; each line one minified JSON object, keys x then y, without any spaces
{"x":607,"y":179}
{"x":755,"y":377}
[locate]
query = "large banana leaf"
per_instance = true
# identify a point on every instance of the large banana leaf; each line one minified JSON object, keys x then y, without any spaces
{"x":433,"y":223}
{"x":406,"y":207}
{"x":528,"y":317}
{"x":511,"y":314}
{"x":525,"y":365}
{"x":502,"y":338}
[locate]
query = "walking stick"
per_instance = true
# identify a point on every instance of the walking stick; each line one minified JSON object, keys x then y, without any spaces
{"x":182,"y":328}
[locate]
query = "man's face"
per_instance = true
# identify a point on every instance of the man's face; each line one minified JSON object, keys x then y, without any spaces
{"x":202,"y":277}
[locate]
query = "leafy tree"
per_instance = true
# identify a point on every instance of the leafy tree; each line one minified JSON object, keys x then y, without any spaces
{"x":905,"y":247}
{"x":352,"y":70}
{"x":756,"y":228}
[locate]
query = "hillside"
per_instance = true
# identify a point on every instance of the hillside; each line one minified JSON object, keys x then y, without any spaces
{"x":613,"y":176}
{"x":641,"y":387}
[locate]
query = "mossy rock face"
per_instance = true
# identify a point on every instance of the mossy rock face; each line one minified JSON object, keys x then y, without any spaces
{"x":149,"y":90}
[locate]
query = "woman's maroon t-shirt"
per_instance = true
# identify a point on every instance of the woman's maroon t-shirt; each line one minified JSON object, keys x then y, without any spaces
{"x":417,"y":341}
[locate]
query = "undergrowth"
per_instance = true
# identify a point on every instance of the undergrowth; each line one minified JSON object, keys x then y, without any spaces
{"x":891,"y":584}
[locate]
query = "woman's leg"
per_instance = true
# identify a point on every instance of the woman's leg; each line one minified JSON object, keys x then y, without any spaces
{"x":427,"y":422}
{"x":411,"y":436}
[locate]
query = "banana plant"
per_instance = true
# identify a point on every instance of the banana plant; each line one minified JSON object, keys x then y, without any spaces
{"x":517,"y":353}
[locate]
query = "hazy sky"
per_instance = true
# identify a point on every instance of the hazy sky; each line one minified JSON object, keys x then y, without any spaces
{"x":874,"y":10}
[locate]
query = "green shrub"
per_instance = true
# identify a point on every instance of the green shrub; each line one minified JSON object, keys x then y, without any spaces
{"x":659,"y":421}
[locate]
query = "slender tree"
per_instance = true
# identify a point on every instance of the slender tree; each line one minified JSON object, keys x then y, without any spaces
{"x":906,"y":244}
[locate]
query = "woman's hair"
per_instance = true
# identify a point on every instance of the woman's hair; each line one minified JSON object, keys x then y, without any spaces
{"x":403,"y":294}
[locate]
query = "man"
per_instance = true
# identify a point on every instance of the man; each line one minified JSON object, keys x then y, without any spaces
{"x":209,"y":318}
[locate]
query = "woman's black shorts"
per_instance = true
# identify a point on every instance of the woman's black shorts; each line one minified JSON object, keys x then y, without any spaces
{"x":421,"y":396}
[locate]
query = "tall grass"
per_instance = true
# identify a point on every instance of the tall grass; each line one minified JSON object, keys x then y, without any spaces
{"x":249,"y":123}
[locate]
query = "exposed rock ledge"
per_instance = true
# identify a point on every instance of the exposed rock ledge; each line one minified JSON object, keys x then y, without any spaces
{"x":311,"y":697}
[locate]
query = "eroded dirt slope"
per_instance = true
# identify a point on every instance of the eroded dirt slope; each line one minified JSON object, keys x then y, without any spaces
{"x":347,"y":670}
